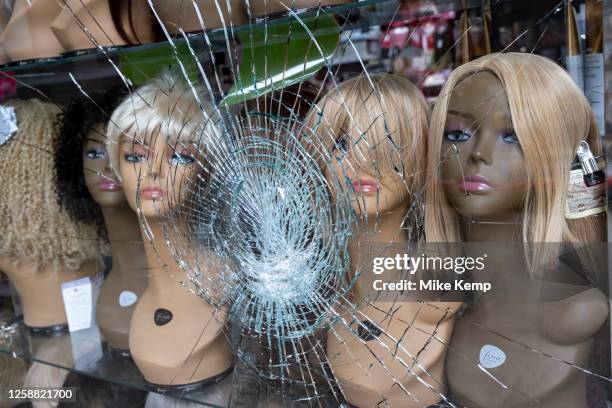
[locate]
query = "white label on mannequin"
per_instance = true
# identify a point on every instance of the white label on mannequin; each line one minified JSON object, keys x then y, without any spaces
{"x":78,"y":303}
{"x":127,"y":298}
{"x":8,"y":123}
{"x":491,"y":356}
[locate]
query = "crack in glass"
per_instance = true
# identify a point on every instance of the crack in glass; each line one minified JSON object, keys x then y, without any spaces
{"x":264,"y":224}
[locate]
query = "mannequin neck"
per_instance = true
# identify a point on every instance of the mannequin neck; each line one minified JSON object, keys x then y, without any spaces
{"x":384,"y":228}
{"x":124,"y":236}
{"x":162,"y":265}
{"x":374,"y":234}
{"x":502,"y":237}
{"x":505,"y":228}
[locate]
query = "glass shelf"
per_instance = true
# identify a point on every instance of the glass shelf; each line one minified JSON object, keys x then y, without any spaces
{"x":83,"y":352}
{"x":386,"y":10}
{"x":216,"y":38}
{"x":60,"y":78}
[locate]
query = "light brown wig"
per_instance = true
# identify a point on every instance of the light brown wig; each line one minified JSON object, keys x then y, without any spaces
{"x":390,"y":114}
{"x":33,"y":226}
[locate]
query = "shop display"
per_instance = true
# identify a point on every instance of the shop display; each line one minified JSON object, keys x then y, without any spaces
{"x":33,"y":257}
{"x":91,"y":193}
{"x":108,"y":23}
{"x":176,"y":338}
{"x":28,"y":33}
{"x":499,"y":184}
{"x":252,"y":203}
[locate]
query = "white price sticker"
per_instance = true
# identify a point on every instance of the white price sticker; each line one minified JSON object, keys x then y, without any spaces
{"x":127,"y":298}
{"x":491,"y":356}
{"x":78,"y":303}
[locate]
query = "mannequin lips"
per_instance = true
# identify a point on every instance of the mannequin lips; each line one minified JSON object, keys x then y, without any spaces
{"x":109,"y":185}
{"x":365,"y":186}
{"x":475,"y":184}
{"x":152,"y":193}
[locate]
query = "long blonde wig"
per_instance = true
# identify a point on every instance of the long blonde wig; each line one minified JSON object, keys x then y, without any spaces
{"x":391,"y":116}
{"x":34,"y":228}
{"x":550,"y":116}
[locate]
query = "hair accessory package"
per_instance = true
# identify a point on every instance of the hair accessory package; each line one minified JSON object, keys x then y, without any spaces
{"x":585,"y":199}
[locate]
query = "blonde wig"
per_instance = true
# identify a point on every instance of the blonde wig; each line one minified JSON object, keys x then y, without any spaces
{"x":165,"y":107}
{"x":391,"y":117}
{"x":550,"y":116}
{"x":33,"y":226}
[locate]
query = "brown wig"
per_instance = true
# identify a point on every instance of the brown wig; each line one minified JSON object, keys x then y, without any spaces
{"x":33,"y":226}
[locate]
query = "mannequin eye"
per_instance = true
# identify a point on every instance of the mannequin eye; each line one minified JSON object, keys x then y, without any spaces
{"x":181,"y":158}
{"x":342,"y":144}
{"x":133,"y":157}
{"x":457,"y":135}
{"x":95,"y":154}
{"x":510,"y":138}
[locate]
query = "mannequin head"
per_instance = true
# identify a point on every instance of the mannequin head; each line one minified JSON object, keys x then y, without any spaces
{"x":31,"y":219}
{"x":523,"y":143}
{"x":102,"y":184}
{"x":485,"y":178}
{"x":84,"y":178}
{"x":151,"y":141}
{"x":371,"y":133}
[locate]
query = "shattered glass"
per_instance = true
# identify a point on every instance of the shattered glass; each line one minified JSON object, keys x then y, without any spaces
{"x":271,"y":225}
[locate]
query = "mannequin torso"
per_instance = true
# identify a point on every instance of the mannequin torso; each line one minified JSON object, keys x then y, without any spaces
{"x":182,"y":348}
{"x":40,"y":291}
{"x":127,"y":280}
{"x":28,"y":33}
{"x":177,"y":13}
{"x":532,"y":378}
{"x":557,"y":315}
{"x":96,"y":16}
{"x":408,"y":330}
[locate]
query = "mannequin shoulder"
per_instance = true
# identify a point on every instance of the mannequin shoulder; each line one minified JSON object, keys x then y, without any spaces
{"x":576,"y":318}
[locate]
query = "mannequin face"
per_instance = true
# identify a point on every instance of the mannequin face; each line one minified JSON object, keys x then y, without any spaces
{"x":486,"y":179}
{"x":374,"y":194}
{"x":154,"y":171}
{"x":101,"y":183}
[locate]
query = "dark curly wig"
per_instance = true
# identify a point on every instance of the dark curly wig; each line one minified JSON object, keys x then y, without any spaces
{"x":76,"y":121}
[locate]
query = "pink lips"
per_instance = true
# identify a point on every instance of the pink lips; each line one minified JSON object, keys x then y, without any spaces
{"x":365,"y":186}
{"x":473,"y":184}
{"x":152,"y":193}
{"x":109,"y":185}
